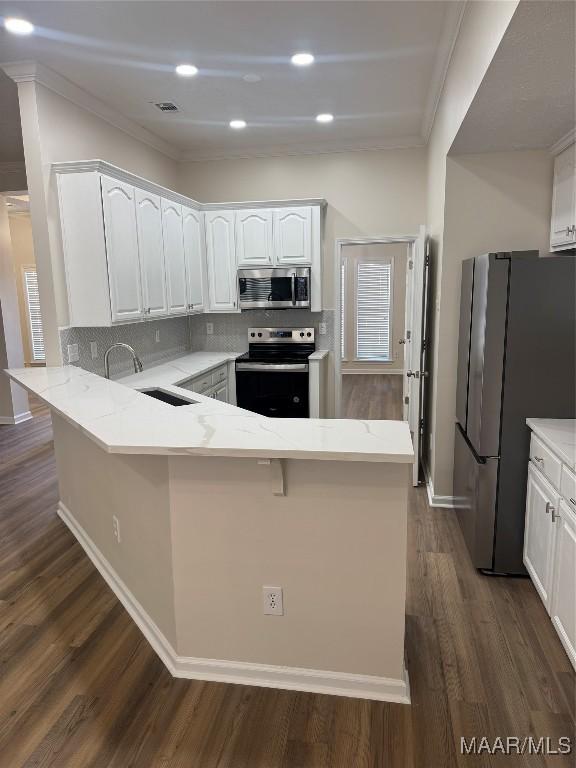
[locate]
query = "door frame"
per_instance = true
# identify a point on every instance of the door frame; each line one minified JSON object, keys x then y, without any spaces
{"x":410,"y":240}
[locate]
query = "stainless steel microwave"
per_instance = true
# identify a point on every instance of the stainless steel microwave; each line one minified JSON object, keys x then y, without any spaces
{"x":274,"y":288}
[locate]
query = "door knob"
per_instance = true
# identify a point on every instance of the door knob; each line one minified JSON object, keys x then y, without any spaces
{"x":416,"y":374}
{"x":401,"y":341}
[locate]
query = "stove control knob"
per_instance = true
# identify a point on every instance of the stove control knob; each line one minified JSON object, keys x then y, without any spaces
{"x":302,"y":334}
{"x":308,"y":334}
{"x":259,"y":335}
{"x":252,"y":334}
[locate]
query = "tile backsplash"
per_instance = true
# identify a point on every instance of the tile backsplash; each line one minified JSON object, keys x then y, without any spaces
{"x":231,"y":331}
{"x":181,"y":334}
{"x":174,"y":334}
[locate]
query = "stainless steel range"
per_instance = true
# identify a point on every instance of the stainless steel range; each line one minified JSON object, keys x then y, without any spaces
{"x":272,"y":377}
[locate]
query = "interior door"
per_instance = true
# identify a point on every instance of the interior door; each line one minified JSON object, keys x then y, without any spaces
{"x":415,"y":374}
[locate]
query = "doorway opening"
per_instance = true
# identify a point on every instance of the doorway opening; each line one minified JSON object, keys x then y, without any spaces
{"x":381,"y":330}
{"x":24,"y":268}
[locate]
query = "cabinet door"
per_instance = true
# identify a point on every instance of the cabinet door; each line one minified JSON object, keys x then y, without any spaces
{"x":174,"y":256}
{"x":539,"y":533}
{"x":563,"y":600}
{"x":121,"y":249}
{"x":195,"y":257}
{"x":221,"y":261}
{"x":254,"y":237}
{"x":220,"y":392}
{"x":562,"y":231}
{"x":153,"y":275}
{"x":293,"y":235}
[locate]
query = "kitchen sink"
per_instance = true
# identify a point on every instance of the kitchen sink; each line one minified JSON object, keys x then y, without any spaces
{"x":167,"y":397}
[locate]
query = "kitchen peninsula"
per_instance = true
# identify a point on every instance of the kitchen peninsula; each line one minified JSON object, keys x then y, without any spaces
{"x":194,"y":513}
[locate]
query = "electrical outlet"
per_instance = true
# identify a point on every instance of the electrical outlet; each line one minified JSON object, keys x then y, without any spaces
{"x":73,"y":355}
{"x":94,"y":350}
{"x":157,"y":336}
{"x":322,"y":329}
{"x":116,"y":528}
{"x":209,"y":328}
{"x":272,"y":601}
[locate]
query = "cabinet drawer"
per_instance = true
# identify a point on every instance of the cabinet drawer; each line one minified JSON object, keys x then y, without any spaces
{"x":220,"y":374}
{"x":199,"y":384}
{"x":568,"y":486}
{"x":545,"y":460}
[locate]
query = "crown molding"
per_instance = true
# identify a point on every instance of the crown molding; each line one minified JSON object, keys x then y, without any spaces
{"x":566,"y":140}
{"x":452,"y":24}
{"x":407,"y":142}
{"x":35,"y":72}
{"x":101,"y":166}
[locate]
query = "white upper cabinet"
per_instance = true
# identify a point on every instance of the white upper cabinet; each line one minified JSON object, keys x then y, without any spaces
{"x":122,"y":249}
{"x":195,"y":257}
{"x":221,"y":261}
{"x":293,"y":235}
{"x":563,"y":227}
{"x":254,"y":237}
{"x":173,"y":235}
{"x":150,"y":247}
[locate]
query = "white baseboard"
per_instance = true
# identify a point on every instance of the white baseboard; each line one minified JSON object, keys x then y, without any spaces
{"x":18,"y":419}
{"x":371,"y":371}
{"x":433,"y":499}
{"x":240,"y":672}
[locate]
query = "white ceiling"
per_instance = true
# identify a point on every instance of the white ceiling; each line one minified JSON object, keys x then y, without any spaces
{"x":527,"y":98}
{"x":379,"y":68}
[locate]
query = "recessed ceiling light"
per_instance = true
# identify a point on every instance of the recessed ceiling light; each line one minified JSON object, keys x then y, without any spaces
{"x":186,"y":70}
{"x":18,"y":26}
{"x":302,"y":59}
{"x":237,"y":124}
{"x":250,"y":78}
{"x":325,"y":117}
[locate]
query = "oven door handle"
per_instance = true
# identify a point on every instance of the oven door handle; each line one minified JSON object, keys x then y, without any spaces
{"x":273,"y":367}
{"x":293,"y":287}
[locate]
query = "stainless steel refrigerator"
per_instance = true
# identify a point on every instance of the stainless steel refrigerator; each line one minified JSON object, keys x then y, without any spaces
{"x":516,"y":359}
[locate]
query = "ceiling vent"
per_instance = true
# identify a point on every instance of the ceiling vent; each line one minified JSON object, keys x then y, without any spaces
{"x":166,"y":106}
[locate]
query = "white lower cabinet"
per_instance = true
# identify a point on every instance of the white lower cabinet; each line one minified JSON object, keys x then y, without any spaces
{"x":212,"y":384}
{"x":550,"y":548}
{"x":541,"y":504}
{"x":563,"y":609}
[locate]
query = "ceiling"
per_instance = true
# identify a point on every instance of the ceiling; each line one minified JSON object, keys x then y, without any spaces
{"x":379,"y":68}
{"x":527,"y":98}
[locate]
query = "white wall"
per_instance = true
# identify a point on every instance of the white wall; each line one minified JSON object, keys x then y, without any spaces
{"x":54,"y":129}
{"x":482,"y":29}
{"x":368,"y":193}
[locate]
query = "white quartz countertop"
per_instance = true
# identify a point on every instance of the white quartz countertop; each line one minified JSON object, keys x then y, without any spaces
{"x":122,"y":420}
{"x":559,"y":435}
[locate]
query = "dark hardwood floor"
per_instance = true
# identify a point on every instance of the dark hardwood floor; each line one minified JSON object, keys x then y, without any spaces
{"x":372,"y":396}
{"x":81,"y":688}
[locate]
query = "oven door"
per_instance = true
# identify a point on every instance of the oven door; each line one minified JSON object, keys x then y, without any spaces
{"x":273,"y":389}
{"x":274,"y":288}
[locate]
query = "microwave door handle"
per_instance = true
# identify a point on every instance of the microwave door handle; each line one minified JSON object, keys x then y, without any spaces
{"x":293,"y":287}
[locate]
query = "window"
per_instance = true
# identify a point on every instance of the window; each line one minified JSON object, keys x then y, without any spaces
{"x":34,"y":317}
{"x":373,"y":306}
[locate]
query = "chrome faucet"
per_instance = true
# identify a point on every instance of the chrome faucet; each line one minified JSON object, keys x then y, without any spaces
{"x":138,"y":367}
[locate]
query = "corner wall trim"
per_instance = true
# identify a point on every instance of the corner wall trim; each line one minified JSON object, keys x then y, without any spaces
{"x":433,"y":499}
{"x":18,"y":419}
{"x":240,"y":672}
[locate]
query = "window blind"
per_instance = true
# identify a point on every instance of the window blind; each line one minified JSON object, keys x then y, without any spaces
{"x":34,"y":316}
{"x":373,"y":305}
